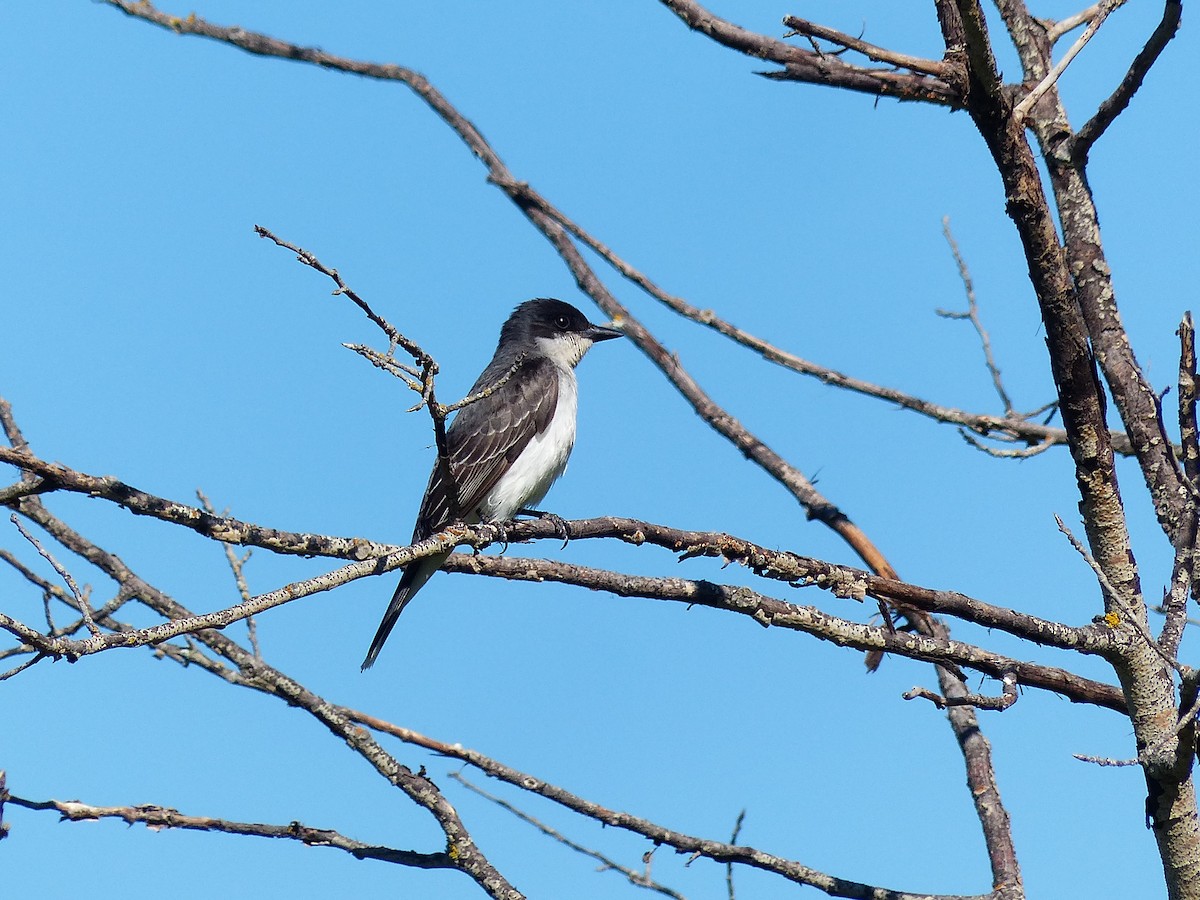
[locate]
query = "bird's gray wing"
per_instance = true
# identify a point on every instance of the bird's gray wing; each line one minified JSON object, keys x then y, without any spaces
{"x":487,"y":436}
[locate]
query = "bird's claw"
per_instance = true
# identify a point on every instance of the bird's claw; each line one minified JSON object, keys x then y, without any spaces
{"x":559,"y":523}
{"x":502,"y":534}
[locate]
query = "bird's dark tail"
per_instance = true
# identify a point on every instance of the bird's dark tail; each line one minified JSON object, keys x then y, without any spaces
{"x":413,"y":580}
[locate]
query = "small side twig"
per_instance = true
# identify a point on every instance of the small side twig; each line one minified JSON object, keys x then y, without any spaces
{"x":428,"y":367}
{"x":24,"y":488}
{"x":236,"y":565}
{"x":420,"y":380}
{"x":1114,"y":597}
{"x":1066,"y":25}
{"x":18,"y":669}
{"x":972,"y":314}
{"x":798,"y":26}
{"x":1006,"y":453}
{"x":85,"y":608}
{"x":412,"y":348}
{"x":1006,"y":699}
{"x":444,"y":410}
{"x":1120,"y":98}
{"x":1104,"y":760}
{"x":1190,"y":699}
{"x":733,"y":839}
{"x":391,"y":365}
{"x":1021,"y":110}
{"x":640,"y":879}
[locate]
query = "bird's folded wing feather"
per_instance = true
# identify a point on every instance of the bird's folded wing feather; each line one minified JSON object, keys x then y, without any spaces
{"x":486,"y":437}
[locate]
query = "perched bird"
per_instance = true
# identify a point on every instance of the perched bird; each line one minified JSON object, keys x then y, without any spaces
{"x":507,"y":448}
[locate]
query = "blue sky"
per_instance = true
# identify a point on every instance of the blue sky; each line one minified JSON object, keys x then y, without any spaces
{"x":151,"y":335}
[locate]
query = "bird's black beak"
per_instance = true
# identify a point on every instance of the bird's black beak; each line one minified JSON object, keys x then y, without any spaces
{"x":596,"y":333}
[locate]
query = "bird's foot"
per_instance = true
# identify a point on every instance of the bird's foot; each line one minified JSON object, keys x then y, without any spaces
{"x":502,"y":534}
{"x":559,"y":523}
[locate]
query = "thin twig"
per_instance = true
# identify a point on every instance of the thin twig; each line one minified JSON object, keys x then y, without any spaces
{"x":733,"y":839}
{"x":394,"y":335}
{"x":640,"y":879}
{"x":972,"y":314}
{"x":1007,"y":452}
{"x":1167,"y":28}
{"x":1104,"y":760}
{"x":18,"y":669}
{"x":424,"y":383}
{"x":390,"y":365}
{"x":1021,"y":110}
{"x":1114,"y":597}
{"x":1184,"y":723}
{"x":236,"y":565}
{"x":445,"y":410}
{"x":937,"y":68}
{"x":1069,"y":23}
{"x":682,"y":843}
{"x":84,"y":608}
{"x":980,"y":701}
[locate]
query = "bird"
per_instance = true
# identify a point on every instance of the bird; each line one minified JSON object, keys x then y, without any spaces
{"x":509,"y":446}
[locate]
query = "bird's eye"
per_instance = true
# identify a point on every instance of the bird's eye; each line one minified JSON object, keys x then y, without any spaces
{"x":561,"y":322}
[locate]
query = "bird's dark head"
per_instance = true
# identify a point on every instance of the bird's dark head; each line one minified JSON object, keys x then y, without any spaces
{"x":552,"y":328}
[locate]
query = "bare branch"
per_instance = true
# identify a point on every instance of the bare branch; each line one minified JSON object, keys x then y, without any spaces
{"x":11,"y":431}
{"x":809,"y":66}
{"x":219,"y":528}
{"x":769,"y":611}
{"x":379,"y":558}
{"x":682,"y":843}
{"x":155,"y":634}
{"x":1117,"y":103}
{"x":1015,"y":427}
{"x":1086,"y":274}
{"x":163,"y":817}
{"x":460,"y":847}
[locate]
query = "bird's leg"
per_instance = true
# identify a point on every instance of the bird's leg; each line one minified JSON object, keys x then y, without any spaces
{"x":559,"y":523}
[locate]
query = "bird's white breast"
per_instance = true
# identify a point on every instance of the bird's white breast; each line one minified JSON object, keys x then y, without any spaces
{"x":542,"y":461}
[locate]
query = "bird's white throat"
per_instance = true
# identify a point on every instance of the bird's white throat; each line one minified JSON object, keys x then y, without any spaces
{"x":564,"y":349}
